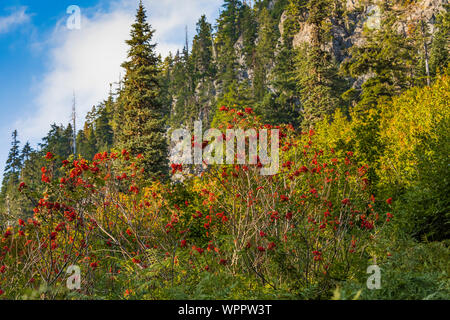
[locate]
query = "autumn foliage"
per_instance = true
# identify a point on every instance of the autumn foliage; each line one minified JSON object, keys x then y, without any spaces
{"x":311,"y":224}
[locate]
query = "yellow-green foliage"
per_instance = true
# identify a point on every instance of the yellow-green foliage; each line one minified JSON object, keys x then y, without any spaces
{"x":338,"y":134}
{"x":405,"y":121}
{"x":358,"y":133}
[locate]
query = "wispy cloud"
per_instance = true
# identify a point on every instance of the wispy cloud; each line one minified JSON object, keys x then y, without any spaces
{"x":88,"y":60}
{"x":17,"y":17}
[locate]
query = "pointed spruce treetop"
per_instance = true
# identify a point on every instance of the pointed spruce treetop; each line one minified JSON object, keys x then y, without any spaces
{"x":140,"y":120}
{"x":142,"y":50}
{"x":13,"y":163}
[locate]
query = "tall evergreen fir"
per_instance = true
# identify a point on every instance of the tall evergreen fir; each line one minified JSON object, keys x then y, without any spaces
{"x":202,"y":51}
{"x":385,"y":61}
{"x":204,"y":68}
{"x":264,"y":51}
{"x":228,"y":22}
{"x":283,"y":104}
{"x":11,"y":177}
{"x":59,"y":141}
{"x":316,"y":71}
{"x":104,"y":128}
{"x":97,"y":134}
{"x":249,"y":31}
{"x":440,"y":48}
{"x":165,"y":81}
{"x":13,"y":163}
{"x":86,"y":142}
{"x":184,"y":110}
{"x":32,"y":161}
{"x":188,"y":84}
{"x":227,"y":35}
{"x":26,"y":152}
{"x":385,"y":58}
{"x":141,"y":128}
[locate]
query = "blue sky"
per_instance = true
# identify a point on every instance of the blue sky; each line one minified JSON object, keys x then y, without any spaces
{"x":42,"y":62}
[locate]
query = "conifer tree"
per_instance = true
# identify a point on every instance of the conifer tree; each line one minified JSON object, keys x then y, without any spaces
{"x":32,"y":161}
{"x":98,"y":130}
{"x":165,"y":80}
{"x":142,"y":127}
{"x":13,"y":163}
{"x":227,"y":35}
{"x":228,"y":22}
{"x":385,"y":58}
{"x":265,"y":48}
{"x":58,"y":141}
{"x":205,"y":71}
{"x":227,"y":63}
{"x":440,"y":52}
{"x":86,"y":142}
{"x":26,"y":152}
{"x":202,"y":50}
{"x":249,"y":31}
{"x":11,"y":176}
{"x":184,"y":110}
{"x":316,"y":71}
{"x":282,"y":106}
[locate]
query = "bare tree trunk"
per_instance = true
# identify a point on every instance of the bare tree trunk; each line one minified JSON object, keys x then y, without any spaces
{"x":425,"y":47}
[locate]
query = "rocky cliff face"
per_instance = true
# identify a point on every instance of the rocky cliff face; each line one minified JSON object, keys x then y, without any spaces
{"x":346,"y":29}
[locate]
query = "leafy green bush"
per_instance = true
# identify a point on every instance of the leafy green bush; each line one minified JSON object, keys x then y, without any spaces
{"x":412,"y":272}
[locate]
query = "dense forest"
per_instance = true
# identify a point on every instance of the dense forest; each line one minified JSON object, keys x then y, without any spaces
{"x":360,"y":93}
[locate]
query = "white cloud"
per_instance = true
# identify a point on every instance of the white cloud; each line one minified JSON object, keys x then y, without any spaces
{"x":88,"y":60}
{"x":17,"y":17}
{"x":82,"y":61}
